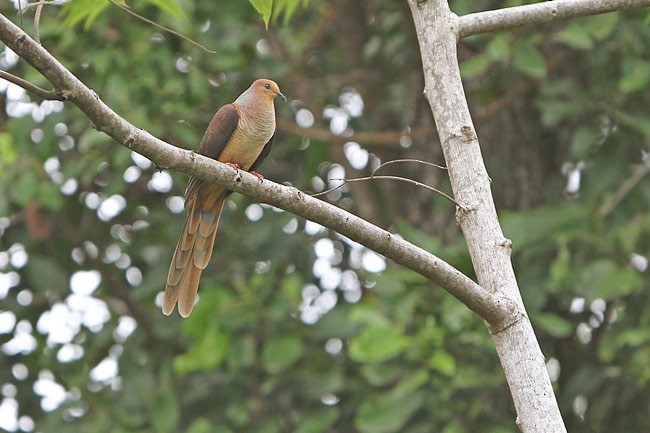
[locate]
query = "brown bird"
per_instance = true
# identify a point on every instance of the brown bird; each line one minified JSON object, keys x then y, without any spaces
{"x":240,"y":134}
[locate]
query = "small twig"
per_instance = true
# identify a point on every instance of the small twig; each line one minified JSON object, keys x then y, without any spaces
{"x":37,"y":21}
{"x":403,"y":179}
{"x":128,"y":10}
{"x":624,"y":189}
{"x":20,"y":14}
{"x":407,"y":160}
{"x":49,"y":95}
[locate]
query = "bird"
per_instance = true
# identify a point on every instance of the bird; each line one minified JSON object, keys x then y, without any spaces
{"x":241,"y":135}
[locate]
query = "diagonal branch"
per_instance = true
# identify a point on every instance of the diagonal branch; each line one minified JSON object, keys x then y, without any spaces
{"x":42,"y":93}
{"x":497,"y":310}
{"x":502,"y":19}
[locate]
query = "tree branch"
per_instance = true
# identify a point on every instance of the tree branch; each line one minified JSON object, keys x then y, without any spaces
{"x":45,"y":94}
{"x":502,"y":19}
{"x":496,"y":310}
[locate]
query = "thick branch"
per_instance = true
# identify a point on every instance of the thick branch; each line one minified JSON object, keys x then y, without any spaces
{"x":502,"y":19}
{"x":496,"y":310}
{"x":517,"y":347}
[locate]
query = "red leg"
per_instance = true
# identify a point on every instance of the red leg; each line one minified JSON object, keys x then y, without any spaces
{"x":257,"y":175}
{"x":233,"y":165}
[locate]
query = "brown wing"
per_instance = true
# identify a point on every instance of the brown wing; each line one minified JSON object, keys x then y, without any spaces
{"x":216,"y":136}
{"x":265,"y":152}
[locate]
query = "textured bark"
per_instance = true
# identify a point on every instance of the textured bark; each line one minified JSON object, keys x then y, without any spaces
{"x":517,"y":346}
{"x":539,"y":13}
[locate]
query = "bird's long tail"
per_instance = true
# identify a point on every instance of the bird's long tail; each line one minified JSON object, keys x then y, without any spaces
{"x":194,"y":249}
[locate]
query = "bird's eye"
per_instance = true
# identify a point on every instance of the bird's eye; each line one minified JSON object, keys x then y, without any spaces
{"x":267,"y":86}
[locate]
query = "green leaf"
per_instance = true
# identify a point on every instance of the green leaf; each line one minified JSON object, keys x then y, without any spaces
{"x":560,"y":266}
{"x":605,"y":279}
{"x":207,"y":352}
{"x":574,"y":37}
{"x":165,"y":412}
{"x":25,"y":188}
{"x":583,"y":141}
{"x":411,"y":383}
{"x":529,"y":60}
{"x":319,"y":421}
{"x":377,"y":343}
{"x":242,"y":352}
{"x":583,"y":32}
{"x":500,"y":47}
{"x":443,"y":362}
{"x":50,"y":196}
{"x":286,"y":7}
{"x":264,"y":8}
{"x":200,"y":425}
{"x":601,"y":26}
{"x":553,"y":325}
{"x":382,"y":374}
{"x":83,"y":10}
{"x":387,"y":413}
{"x":280,"y":353}
{"x":8,"y":154}
{"x":172,"y":7}
{"x":475,"y":66}
{"x":636,"y":75}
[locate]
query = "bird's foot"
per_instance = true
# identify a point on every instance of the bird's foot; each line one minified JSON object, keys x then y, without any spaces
{"x":257,"y":175}
{"x":233,"y":165}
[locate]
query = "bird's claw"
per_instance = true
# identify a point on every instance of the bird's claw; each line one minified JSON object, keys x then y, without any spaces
{"x":257,"y":175}
{"x":233,"y":165}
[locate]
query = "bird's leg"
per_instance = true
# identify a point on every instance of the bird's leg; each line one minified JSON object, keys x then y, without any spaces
{"x":257,"y":175}
{"x":233,"y":165}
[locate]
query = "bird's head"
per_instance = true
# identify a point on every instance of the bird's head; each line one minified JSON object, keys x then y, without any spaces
{"x":267,"y":89}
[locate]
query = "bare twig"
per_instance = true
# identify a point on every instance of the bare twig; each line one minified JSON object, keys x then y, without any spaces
{"x":623,"y":190}
{"x":37,"y":22}
{"x":371,"y":177}
{"x":403,"y":179}
{"x":128,"y":10}
{"x":45,"y":94}
{"x":395,"y":161}
{"x":538,"y":13}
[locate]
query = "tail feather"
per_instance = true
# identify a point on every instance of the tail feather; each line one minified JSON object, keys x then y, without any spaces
{"x":193,"y":250}
{"x":203,"y":246}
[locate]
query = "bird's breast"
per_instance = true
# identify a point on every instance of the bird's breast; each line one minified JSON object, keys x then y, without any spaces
{"x":248,"y":140}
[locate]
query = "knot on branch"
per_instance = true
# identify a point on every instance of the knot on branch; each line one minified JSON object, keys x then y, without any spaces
{"x":20,"y":38}
{"x":64,"y":95}
{"x":468,"y":133}
{"x":130,"y":140}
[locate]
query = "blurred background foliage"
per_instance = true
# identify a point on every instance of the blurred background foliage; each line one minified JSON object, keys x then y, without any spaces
{"x":299,"y":329}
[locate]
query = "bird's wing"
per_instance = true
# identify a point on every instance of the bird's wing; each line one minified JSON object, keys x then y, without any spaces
{"x":222,"y":126}
{"x":265,"y":152}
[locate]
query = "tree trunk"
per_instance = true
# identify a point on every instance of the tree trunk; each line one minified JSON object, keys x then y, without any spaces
{"x":516,"y":345}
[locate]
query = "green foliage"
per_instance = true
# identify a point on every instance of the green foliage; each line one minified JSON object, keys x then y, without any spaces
{"x":85,"y":11}
{"x":377,"y":344}
{"x":403,"y":355}
{"x":264,"y":8}
{"x":275,"y":8}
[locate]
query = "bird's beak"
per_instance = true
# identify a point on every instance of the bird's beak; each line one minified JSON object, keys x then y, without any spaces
{"x":284,"y":98}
